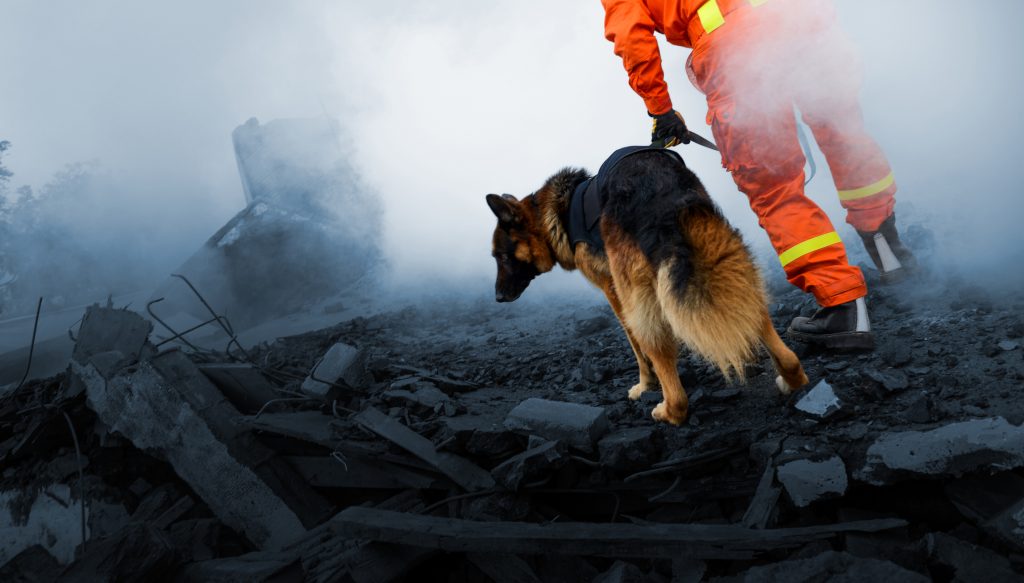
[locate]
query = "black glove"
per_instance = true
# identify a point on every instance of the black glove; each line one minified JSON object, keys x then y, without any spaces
{"x":669,"y":129}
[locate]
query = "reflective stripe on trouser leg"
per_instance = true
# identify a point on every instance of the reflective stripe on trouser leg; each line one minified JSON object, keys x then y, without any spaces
{"x":809,"y":246}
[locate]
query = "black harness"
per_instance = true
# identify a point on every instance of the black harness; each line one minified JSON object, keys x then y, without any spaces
{"x":587,"y":202}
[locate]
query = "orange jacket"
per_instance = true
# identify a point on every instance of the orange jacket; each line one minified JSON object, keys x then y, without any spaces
{"x":631,"y":25}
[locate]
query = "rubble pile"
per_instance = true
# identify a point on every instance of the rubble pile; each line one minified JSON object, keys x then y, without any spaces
{"x":473,"y":442}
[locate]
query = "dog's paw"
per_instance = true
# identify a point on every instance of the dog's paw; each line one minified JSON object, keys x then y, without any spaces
{"x":787,"y":389}
{"x":638,"y":390}
{"x":663,"y":414}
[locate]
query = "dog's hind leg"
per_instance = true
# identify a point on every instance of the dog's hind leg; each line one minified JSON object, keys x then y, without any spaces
{"x":646,"y":382}
{"x":674,"y":405}
{"x":791,"y":372}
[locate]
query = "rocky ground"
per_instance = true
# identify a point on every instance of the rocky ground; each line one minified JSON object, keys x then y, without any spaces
{"x":422,"y":423}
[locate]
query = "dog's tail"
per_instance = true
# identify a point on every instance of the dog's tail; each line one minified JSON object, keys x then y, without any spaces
{"x":714,"y":299}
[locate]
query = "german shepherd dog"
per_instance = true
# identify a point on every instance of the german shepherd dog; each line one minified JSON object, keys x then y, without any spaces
{"x":673,"y":270}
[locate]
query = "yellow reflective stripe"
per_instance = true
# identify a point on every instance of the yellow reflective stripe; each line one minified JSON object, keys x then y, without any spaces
{"x":809,"y":246}
{"x":757,"y":2}
{"x":710,"y":16}
{"x":869,"y":190}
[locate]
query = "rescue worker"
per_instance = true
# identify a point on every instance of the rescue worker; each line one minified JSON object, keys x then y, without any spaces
{"x":756,"y":60}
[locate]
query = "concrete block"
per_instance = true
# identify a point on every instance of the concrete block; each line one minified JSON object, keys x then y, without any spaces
{"x":629,"y":449}
{"x":952,"y":449}
{"x":807,"y":481}
{"x":342,"y":363}
{"x":579,"y":426}
{"x":106,"y":330}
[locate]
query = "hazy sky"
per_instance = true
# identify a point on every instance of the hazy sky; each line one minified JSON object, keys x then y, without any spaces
{"x":449,"y":100}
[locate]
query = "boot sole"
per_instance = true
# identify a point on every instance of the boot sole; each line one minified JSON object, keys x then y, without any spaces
{"x":838,"y":341}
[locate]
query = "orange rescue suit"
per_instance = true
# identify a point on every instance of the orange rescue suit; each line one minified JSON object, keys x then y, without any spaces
{"x":756,"y":60}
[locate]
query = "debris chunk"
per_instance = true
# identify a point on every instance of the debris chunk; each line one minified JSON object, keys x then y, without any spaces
{"x":1008,"y":345}
{"x":243,"y":385}
{"x":629,"y":449}
{"x":952,"y":449}
{"x":968,"y":562}
{"x":994,"y":503}
{"x":892,"y":380}
{"x":530,"y":465}
{"x":579,"y":426}
{"x":343,"y":363}
{"x":808,"y":481}
{"x":820,"y":402}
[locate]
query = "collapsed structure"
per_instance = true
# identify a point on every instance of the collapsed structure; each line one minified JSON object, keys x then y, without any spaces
{"x":469,"y":443}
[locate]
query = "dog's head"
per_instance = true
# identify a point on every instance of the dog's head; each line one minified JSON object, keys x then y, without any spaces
{"x":520,"y":246}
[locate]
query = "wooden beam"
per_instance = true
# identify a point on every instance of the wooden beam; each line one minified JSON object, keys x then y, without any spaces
{"x":698,"y":541}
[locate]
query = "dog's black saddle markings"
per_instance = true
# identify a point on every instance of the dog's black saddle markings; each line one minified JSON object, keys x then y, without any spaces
{"x":588,"y":199}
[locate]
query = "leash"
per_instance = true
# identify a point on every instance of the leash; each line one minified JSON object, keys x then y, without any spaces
{"x":695,"y":138}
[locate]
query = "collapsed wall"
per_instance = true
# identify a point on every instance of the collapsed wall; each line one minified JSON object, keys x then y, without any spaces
{"x":311,"y":229}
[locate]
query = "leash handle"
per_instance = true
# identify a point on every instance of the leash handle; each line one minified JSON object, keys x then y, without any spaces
{"x":694,"y":139}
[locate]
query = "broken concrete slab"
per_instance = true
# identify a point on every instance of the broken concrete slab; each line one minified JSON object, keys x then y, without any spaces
{"x":166,"y":406}
{"x":461,"y":471}
{"x":820,"y":402}
{"x":342,"y":364}
{"x":579,"y":426}
{"x":949,"y":450}
{"x":481,"y":436}
{"x":994,"y":503}
{"x":891,"y":380}
{"x":807,"y":481}
{"x":629,"y":449}
{"x":968,"y":562}
{"x":531,"y":465}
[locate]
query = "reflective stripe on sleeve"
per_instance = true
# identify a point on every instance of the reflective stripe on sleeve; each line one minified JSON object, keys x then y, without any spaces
{"x":809,"y":246}
{"x":869,"y":190}
{"x":710,"y":16}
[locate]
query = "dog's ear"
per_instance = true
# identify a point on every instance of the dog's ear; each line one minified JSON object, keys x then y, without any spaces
{"x":505,"y":207}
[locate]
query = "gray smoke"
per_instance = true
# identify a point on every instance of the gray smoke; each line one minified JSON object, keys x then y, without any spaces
{"x":444,"y":103}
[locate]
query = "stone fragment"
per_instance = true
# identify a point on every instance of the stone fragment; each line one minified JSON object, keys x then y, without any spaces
{"x":579,"y":426}
{"x":341,"y":364}
{"x":629,"y":449}
{"x":425,"y":398}
{"x":919,"y":410}
{"x":820,"y":402}
{"x":952,"y":449}
{"x":807,"y":481}
{"x":1008,"y":345}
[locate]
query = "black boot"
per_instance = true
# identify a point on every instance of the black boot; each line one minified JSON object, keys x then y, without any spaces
{"x":845,"y":326}
{"x":892,"y":259}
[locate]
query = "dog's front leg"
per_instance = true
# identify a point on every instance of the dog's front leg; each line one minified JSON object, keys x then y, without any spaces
{"x":646,"y":382}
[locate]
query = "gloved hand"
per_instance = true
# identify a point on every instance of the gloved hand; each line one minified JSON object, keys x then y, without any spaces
{"x":669,"y":129}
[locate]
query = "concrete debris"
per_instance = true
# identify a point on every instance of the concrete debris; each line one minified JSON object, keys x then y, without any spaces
{"x":342,"y":364}
{"x":629,"y":449}
{"x":820,"y":402}
{"x":807,"y":481}
{"x":579,"y":426}
{"x":891,"y":380}
{"x":950,"y":450}
{"x":531,"y":465}
{"x":442,"y":449}
{"x":968,"y":562}
{"x":994,"y":503}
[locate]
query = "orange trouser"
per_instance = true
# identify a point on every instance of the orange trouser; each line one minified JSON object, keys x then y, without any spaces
{"x":754,"y":69}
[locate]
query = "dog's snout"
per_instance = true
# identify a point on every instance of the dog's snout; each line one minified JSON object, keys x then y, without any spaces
{"x":500,"y":297}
